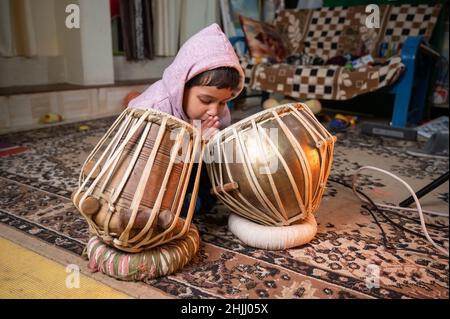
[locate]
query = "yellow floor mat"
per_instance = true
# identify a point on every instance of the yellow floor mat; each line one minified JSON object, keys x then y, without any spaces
{"x":25,"y":274}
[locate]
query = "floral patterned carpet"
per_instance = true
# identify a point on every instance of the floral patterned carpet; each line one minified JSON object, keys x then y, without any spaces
{"x":349,"y":258}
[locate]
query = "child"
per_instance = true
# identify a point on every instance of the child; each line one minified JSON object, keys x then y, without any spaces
{"x":204,"y":75}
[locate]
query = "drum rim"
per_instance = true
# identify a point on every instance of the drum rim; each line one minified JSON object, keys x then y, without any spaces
{"x":260,"y":116}
{"x":156,"y":117}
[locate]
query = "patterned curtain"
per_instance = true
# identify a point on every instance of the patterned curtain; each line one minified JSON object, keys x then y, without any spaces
{"x":136,"y":19}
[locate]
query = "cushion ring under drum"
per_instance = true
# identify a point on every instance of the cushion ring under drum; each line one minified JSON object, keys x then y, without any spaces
{"x":273,"y":237}
{"x":149,"y":264}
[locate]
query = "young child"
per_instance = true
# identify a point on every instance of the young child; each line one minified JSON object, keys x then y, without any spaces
{"x":204,"y":75}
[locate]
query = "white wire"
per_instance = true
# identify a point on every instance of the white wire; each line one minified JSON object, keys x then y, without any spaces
{"x":419,"y":207}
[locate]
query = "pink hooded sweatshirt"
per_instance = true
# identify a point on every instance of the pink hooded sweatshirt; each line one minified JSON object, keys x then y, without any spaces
{"x":208,"y":49}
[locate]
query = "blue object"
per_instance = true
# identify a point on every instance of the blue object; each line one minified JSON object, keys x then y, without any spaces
{"x":234,"y":41}
{"x":338,"y":125}
{"x":187,"y":201}
{"x":237,"y":39}
{"x":198,"y":205}
{"x":411,"y":89}
{"x":205,"y":200}
{"x":382,"y":50}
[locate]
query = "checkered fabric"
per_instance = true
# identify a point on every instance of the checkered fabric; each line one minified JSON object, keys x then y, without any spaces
{"x":318,"y":80}
{"x":313,"y":32}
{"x":325,"y":30}
{"x":328,"y":82}
{"x":328,"y":32}
{"x":409,"y":20}
{"x":367,"y":79}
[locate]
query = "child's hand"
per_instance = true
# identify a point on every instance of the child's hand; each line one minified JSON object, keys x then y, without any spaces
{"x":210,"y":126}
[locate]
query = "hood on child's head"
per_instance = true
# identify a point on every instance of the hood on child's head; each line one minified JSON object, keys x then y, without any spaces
{"x":206,"y":50}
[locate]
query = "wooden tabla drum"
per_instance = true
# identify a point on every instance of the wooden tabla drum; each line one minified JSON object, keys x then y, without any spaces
{"x":270,"y":169}
{"x":133,"y":184}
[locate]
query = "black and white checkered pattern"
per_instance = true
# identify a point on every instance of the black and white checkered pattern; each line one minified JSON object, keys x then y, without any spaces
{"x":325,"y":28}
{"x":248,"y":70}
{"x":409,"y":20}
{"x":314,"y":80}
{"x":324,"y":38}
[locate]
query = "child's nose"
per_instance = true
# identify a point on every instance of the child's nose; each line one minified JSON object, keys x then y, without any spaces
{"x":214,"y":110}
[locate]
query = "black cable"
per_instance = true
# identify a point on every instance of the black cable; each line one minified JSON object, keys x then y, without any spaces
{"x":406,"y":229}
{"x":386,"y":243}
{"x":425,"y":190}
{"x":392,"y":211}
{"x":439,"y":227}
{"x":386,"y":217}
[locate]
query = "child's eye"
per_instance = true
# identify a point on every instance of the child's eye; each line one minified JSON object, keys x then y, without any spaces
{"x":205,"y":101}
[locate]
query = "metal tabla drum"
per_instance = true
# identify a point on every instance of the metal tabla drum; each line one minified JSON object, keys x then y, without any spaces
{"x":270,"y":170}
{"x":133,"y":184}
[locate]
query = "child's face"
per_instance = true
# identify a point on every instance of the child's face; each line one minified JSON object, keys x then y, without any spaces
{"x":205,"y":103}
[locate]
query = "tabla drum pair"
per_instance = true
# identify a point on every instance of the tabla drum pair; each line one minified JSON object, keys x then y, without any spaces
{"x":269,"y":169}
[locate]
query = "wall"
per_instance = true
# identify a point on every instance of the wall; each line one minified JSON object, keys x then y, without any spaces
{"x":48,"y":66}
{"x":151,"y":69}
{"x":79,"y":56}
{"x":19,"y":71}
{"x":87,"y":51}
{"x":96,"y":42}
{"x":22,"y":111}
